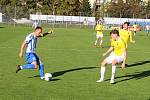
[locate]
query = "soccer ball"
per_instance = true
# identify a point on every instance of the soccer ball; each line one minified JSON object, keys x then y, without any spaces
{"x":48,"y":76}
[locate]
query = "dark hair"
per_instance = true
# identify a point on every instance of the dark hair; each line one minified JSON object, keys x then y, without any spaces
{"x":114,"y":32}
{"x":38,"y":27}
{"x":128,"y":23}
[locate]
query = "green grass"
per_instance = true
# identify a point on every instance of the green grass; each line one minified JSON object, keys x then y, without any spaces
{"x":75,"y":63}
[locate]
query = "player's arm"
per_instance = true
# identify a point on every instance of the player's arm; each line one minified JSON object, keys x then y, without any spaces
{"x":131,"y":38}
{"x":125,"y":57}
{"x":46,"y":33}
{"x":23,"y":46}
{"x":108,"y":51}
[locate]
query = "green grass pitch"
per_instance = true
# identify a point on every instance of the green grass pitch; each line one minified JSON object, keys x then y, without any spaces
{"x":69,"y":54}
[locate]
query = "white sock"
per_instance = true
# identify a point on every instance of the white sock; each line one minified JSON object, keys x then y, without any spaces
{"x":21,"y":67}
{"x":101,"y":42}
{"x":102,"y":72}
{"x":113,"y":72}
{"x":95,"y":42}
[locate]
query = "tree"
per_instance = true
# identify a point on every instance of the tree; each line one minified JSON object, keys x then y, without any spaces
{"x":73,"y":7}
{"x":86,"y":8}
{"x":116,"y":9}
{"x":130,"y":9}
{"x":146,"y":10}
{"x":5,"y":2}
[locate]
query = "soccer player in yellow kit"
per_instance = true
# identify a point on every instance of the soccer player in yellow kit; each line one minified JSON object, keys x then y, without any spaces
{"x":99,"y":34}
{"x":117,"y":55}
{"x":126,"y":34}
{"x":135,"y":26}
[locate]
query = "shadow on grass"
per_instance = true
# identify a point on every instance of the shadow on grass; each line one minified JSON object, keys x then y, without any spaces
{"x":136,"y":75}
{"x":2,"y":27}
{"x":55,"y":74}
{"x":35,"y":76}
{"x":59,"y":73}
{"x":137,"y":63}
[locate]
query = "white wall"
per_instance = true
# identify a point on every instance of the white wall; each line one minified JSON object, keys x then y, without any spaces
{"x":0,"y":17}
{"x":57,"y":18}
{"x":122,"y":20}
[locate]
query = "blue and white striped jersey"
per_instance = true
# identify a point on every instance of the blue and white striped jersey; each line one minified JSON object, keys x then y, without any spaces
{"x":31,"y":40}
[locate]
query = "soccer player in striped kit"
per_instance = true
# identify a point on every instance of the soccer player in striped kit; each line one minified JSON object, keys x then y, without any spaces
{"x":32,"y":60}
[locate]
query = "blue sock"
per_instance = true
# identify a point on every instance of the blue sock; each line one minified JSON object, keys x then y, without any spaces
{"x":41,"y":69}
{"x":28,"y":66}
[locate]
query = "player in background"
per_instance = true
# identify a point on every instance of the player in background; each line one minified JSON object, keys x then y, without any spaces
{"x":117,"y":55}
{"x":32,"y":60}
{"x":135,"y":27}
{"x":35,"y":24}
{"x":147,"y":29}
{"x":126,"y":34}
{"x":99,"y":34}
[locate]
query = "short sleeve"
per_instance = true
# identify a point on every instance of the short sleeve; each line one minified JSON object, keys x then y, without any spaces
{"x":28,"y":38}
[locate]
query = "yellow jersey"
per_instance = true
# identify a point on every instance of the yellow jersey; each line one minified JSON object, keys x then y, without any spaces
{"x":125,"y":36}
{"x":118,"y":46}
{"x":99,"y":29}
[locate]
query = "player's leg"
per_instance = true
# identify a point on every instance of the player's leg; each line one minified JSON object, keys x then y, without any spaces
{"x":101,"y":41}
{"x":148,"y":31}
{"x":31,"y":61}
{"x":114,"y":62}
{"x":102,"y":71}
{"x":134,"y":33}
{"x":33,"y":65}
{"x":40,"y":65}
{"x":108,"y":60}
{"x":97,"y":39}
{"x":104,"y":63}
{"x":96,"y":42}
{"x":41,"y":70}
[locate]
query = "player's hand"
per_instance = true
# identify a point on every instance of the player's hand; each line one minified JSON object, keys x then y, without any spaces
{"x":104,"y":54}
{"x":133,"y":41}
{"x":41,"y":34}
{"x":20,"y":55}
{"x":123,"y":66}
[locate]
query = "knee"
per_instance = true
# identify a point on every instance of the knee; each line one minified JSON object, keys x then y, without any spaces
{"x":114,"y":63}
{"x":103,"y":64}
{"x":35,"y":65}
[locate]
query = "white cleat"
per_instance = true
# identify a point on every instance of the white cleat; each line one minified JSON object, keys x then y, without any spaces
{"x":112,"y":81}
{"x":98,"y":81}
